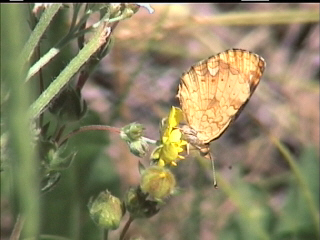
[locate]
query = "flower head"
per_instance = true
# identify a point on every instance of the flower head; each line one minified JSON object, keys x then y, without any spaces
{"x":171,"y":142}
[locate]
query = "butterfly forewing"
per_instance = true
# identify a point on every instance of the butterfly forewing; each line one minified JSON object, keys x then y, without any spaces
{"x":213,"y":91}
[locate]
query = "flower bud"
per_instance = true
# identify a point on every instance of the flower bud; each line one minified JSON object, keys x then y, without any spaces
{"x":139,"y":148}
{"x":158,"y":182}
{"x":106,"y":210}
{"x":51,"y":156}
{"x":132,"y":134}
{"x":137,"y":204}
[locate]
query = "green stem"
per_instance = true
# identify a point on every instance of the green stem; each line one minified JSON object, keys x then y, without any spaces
{"x":54,"y":51}
{"x":41,"y":62}
{"x":64,"y":77}
{"x":90,"y":128}
{"x":22,"y":156}
{"x":39,"y":30}
{"x":99,"y":128}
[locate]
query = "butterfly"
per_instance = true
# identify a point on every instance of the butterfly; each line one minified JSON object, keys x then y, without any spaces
{"x":213,"y":92}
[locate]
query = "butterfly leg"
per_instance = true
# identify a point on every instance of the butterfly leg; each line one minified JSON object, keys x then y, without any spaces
{"x":205,"y":152}
{"x":188,"y":149}
{"x":213,"y":171}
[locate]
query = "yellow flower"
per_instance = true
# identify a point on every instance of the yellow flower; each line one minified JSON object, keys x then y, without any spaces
{"x":171,"y":143}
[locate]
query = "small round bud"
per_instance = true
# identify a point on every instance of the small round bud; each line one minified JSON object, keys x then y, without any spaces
{"x":158,"y":182}
{"x":132,"y":132}
{"x":139,"y":147}
{"x":106,"y":210}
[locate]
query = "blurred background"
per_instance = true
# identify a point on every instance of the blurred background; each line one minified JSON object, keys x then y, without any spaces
{"x":260,"y":195}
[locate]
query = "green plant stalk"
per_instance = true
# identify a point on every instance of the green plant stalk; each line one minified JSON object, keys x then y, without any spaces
{"x":53,"y":52}
{"x":39,"y":30}
{"x":73,"y":33}
{"x":93,"y":62}
{"x":22,"y":159}
{"x":41,"y":62}
{"x":64,"y":77}
{"x":301,"y":181}
{"x":100,"y":128}
{"x":76,"y":10}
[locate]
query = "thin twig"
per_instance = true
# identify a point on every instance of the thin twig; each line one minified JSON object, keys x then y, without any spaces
{"x":126,"y":227}
{"x":90,"y":128}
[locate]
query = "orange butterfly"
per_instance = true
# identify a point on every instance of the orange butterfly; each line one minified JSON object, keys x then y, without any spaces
{"x":213,"y":92}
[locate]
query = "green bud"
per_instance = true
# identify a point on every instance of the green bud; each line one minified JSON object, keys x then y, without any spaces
{"x":58,"y":163}
{"x":132,"y":132}
{"x":68,"y":106}
{"x":137,"y":204}
{"x":51,"y":156}
{"x":158,"y":182}
{"x":139,"y":148}
{"x":106,"y":210}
